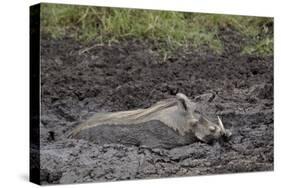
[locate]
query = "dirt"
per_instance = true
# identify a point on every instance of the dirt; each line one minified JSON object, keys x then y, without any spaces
{"x":78,"y":80}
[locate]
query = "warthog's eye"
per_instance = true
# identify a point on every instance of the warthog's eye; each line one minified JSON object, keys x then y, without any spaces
{"x":212,"y":128}
{"x":193,"y":123}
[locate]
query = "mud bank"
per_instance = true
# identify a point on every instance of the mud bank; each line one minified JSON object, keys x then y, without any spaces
{"x":77,"y":81}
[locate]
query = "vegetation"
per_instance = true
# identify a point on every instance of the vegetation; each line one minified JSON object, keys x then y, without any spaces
{"x":173,"y":29}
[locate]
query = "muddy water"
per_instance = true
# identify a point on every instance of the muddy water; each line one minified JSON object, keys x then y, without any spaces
{"x":79,"y":80}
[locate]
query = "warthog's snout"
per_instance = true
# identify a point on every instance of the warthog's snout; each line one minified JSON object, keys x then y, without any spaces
{"x":227,"y":135}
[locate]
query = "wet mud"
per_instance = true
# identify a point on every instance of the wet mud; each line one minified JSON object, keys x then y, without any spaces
{"x":79,"y":80}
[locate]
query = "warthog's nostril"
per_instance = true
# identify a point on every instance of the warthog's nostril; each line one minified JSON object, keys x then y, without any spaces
{"x":227,"y":135}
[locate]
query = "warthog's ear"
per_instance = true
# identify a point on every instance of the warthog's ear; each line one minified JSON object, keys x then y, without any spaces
{"x":184,"y":102}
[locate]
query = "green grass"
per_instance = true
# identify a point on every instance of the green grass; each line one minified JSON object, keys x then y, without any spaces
{"x":173,"y":29}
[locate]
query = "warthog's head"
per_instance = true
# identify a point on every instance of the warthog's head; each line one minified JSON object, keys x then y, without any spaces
{"x":207,"y":131}
{"x":202,"y":128}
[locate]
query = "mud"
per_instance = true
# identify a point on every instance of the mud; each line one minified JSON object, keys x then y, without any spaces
{"x":78,"y":80}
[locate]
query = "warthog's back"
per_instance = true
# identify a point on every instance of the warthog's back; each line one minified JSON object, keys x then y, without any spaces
{"x":166,"y":111}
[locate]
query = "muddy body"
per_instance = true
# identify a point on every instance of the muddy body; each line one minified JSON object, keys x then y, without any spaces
{"x":168,"y":123}
{"x":153,"y":134}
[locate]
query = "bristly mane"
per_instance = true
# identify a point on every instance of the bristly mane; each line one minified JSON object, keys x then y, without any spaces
{"x":161,"y":105}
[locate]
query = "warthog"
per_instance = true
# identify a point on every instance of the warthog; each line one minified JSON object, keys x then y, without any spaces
{"x":168,"y":123}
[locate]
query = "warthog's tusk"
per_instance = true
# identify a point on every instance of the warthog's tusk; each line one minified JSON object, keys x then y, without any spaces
{"x":221,"y":124}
